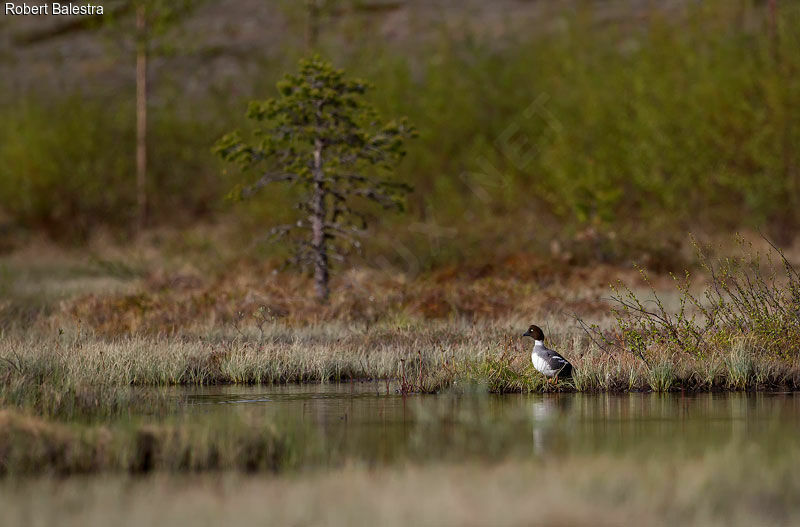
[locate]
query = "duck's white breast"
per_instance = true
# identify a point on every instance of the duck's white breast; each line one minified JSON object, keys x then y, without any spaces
{"x":541,"y":365}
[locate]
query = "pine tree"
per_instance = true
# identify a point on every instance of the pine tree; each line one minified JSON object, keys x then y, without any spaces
{"x":321,"y":136}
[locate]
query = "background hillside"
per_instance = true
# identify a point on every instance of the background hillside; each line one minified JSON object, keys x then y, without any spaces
{"x":592,"y":130}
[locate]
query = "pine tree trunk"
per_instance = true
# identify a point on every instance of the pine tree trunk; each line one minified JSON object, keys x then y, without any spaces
{"x":318,"y":241}
{"x":141,"y":120}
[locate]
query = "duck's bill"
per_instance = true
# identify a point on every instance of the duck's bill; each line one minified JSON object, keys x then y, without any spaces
{"x":526,"y":334}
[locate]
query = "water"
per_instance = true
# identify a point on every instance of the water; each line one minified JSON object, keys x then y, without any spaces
{"x":362,"y":420}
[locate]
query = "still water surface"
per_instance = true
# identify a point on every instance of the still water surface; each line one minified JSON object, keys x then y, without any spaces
{"x":362,"y":420}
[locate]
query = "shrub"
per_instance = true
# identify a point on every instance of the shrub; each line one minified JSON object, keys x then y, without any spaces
{"x":754,"y":296}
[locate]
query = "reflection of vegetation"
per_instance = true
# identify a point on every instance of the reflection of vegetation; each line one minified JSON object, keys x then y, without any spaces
{"x":318,"y":427}
{"x":741,"y":484}
{"x":32,"y":445}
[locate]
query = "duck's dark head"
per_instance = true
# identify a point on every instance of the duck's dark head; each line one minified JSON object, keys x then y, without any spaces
{"x":535,"y":332}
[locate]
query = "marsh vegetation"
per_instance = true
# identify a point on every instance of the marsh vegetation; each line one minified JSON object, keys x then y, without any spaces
{"x":86,"y":379}
{"x":185,"y":372}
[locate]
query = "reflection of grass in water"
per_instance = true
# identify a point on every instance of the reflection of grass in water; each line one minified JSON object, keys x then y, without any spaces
{"x":738,"y":486}
{"x":32,"y":445}
{"x":379,"y":431}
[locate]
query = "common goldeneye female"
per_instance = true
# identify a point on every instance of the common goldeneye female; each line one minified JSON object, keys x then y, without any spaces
{"x":545,"y":360}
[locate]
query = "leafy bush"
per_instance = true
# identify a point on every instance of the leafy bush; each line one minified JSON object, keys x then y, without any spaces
{"x":66,"y":165}
{"x":60,"y":174}
{"x":681,"y":120}
{"x":746,"y":298}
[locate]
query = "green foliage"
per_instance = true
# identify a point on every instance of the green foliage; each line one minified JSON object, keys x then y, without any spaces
{"x":322,"y":137}
{"x":62,"y":174}
{"x":499,"y":375}
{"x":661,"y":376}
{"x":70,"y":175}
{"x":746,"y":298}
{"x":674,"y":121}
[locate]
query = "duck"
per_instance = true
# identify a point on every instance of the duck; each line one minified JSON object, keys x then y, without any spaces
{"x":545,"y":360}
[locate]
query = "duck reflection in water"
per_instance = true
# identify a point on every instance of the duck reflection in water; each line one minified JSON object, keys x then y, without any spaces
{"x":549,"y":418}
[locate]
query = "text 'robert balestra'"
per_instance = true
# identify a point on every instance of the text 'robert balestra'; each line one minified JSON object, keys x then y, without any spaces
{"x":52,"y":9}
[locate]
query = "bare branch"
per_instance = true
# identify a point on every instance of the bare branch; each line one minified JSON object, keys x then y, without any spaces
{"x":266,"y":179}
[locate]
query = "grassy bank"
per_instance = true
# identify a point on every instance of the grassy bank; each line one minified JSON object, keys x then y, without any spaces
{"x":171,"y":324}
{"x":88,"y":341}
{"x":47,"y":374}
{"x":730,"y":487}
